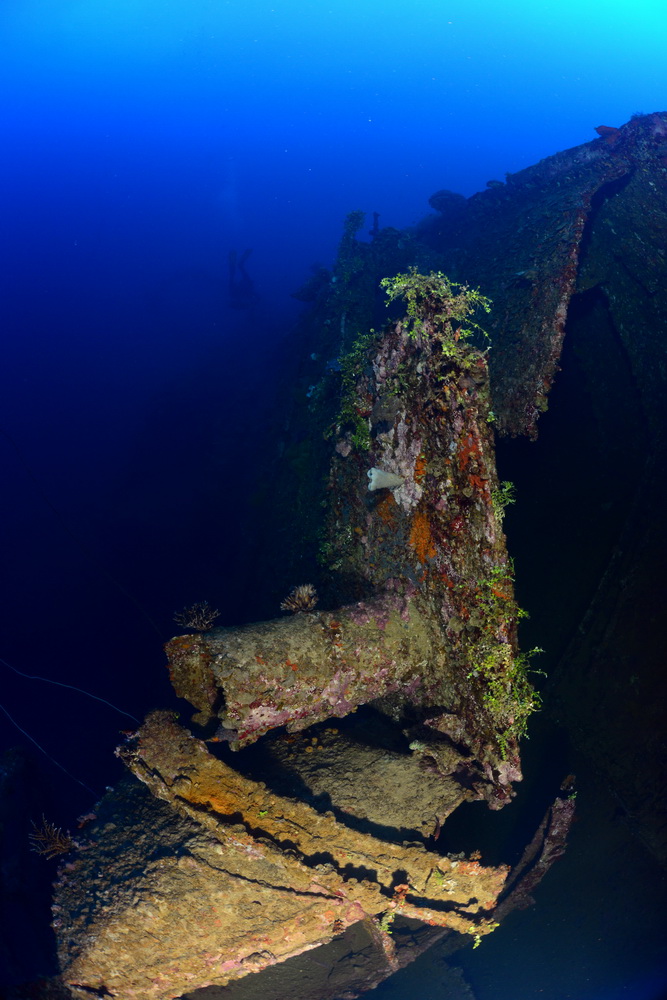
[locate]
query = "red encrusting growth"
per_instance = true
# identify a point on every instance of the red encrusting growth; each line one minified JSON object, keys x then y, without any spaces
{"x":421,"y":538}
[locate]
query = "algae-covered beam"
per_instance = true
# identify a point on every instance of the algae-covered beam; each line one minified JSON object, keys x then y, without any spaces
{"x":299,"y":670}
{"x":338,"y":862}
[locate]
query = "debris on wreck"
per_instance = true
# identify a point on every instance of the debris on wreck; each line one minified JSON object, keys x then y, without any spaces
{"x":205,"y":876}
{"x":522,"y":243}
{"x":195,"y":874}
{"x":216,"y":875}
{"x":436,"y":637}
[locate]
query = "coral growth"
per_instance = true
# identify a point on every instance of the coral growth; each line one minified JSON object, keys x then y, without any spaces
{"x":421,"y":538}
{"x":302,"y":598}
{"x":199,"y":617}
{"x":49,"y":840}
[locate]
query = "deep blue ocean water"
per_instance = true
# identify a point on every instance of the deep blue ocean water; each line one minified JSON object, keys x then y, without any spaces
{"x":142,"y":141}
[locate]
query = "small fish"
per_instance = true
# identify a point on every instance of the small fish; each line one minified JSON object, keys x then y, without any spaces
{"x":222,"y":735}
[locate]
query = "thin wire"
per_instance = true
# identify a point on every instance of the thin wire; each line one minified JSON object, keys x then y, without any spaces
{"x":71,"y":687}
{"x":47,"y":754}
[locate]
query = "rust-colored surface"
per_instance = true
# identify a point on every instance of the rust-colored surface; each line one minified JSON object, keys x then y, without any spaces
{"x":154,"y":906}
{"x":359,"y":867}
{"x":243,"y":880}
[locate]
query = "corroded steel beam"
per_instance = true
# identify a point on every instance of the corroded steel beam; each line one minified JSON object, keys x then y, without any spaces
{"x":226,"y":878}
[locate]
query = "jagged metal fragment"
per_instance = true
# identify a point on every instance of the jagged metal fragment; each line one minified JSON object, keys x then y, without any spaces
{"x":522,"y":241}
{"x":547,"y":845}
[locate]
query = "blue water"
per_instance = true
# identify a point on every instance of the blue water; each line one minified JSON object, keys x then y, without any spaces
{"x":142,"y":140}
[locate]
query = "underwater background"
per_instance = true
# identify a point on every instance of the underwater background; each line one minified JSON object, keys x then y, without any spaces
{"x":144,"y":141}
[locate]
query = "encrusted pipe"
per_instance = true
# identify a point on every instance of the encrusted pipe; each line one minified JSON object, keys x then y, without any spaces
{"x":309,"y":667}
